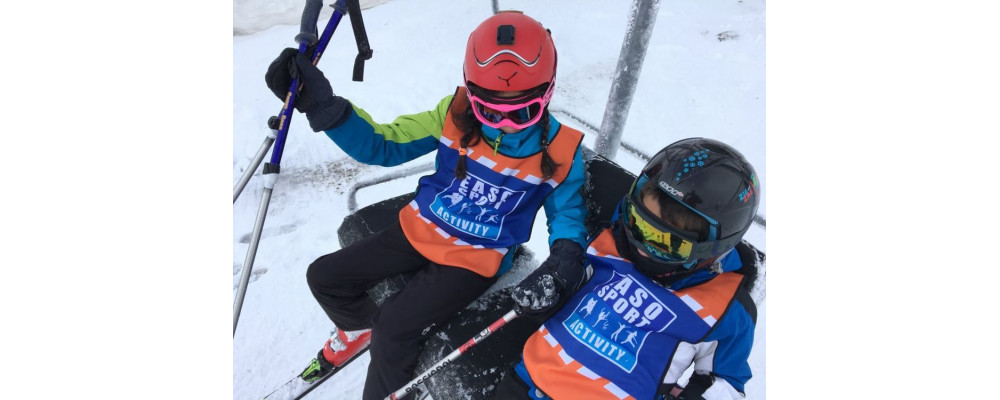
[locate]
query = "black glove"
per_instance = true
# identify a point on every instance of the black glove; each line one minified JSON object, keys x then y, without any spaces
{"x":315,"y":99}
{"x":696,"y":387}
{"x":558,"y":278}
{"x":536,"y":297}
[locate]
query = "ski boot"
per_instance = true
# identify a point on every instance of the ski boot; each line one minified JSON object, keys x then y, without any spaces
{"x":339,"y":349}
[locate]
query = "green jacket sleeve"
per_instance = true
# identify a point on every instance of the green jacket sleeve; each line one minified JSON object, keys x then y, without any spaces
{"x":406,"y":138}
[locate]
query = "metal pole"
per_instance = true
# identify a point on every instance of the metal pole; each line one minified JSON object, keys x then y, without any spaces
{"x":640,"y":28}
{"x":264,"y":147}
{"x":270,"y":178}
{"x":352,"y":200}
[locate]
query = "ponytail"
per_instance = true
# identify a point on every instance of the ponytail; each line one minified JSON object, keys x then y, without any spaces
{"x":472,"y":131}
{"x":548,"y":164}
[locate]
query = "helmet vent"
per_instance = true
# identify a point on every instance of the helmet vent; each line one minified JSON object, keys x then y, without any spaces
{"x":505,"y":34}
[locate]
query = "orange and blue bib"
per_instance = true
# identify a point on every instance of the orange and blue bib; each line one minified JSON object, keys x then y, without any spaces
{"x":474,"y":222}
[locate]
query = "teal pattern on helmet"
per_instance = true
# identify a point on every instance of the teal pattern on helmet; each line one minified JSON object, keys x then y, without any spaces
{"x":695,"y":160}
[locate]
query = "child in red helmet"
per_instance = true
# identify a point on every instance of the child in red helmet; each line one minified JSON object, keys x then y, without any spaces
{"x":500,"y":156}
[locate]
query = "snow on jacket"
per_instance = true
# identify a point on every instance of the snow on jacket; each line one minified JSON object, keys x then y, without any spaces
{"x":622,"y":334}
{"x":476,"y":222}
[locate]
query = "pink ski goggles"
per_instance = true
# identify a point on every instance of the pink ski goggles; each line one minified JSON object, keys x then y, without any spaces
{"x":517,"y":112}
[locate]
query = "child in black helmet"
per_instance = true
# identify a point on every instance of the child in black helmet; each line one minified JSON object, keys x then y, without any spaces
{"x":669,"y":289}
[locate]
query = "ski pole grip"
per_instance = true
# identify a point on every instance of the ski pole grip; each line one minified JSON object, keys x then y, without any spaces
{"x":307,"y":33}
{"x":359,"y":66}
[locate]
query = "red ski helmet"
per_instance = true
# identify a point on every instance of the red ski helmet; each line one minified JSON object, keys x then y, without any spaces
{"x":510,"y":51}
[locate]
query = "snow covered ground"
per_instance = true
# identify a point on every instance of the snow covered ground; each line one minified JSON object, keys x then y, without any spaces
{"x":704,"y":75}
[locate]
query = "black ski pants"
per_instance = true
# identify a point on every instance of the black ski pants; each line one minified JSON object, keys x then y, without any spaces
{"x":340,"y":281}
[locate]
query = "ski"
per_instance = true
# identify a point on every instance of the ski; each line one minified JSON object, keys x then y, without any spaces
{"x":296,"y":388}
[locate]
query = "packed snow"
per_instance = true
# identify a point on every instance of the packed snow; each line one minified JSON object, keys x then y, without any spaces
{"x":703,"y":75}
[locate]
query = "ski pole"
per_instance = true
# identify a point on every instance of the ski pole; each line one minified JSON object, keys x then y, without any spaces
{"x":511,"y":315}
{"x":307,"y":33}
{"x":306,"y":38}
{"x":279,"y":127}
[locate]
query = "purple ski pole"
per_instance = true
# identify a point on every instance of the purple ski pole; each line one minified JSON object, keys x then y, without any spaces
{"x":279,"y":125}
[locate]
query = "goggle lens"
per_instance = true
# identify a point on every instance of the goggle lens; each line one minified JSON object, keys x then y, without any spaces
{"x":519,"y":113}
{"x":526,"y":115}
{"x":663,"y":245}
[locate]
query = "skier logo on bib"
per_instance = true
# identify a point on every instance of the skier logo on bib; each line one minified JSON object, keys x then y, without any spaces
{"x":475,"y":206}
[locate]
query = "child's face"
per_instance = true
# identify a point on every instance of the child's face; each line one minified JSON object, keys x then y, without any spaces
{"x":509,"y":93}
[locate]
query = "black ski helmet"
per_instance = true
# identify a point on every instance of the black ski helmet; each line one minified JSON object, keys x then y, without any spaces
{"x":708,"y":177}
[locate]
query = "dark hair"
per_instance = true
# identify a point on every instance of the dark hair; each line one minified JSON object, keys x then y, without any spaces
{"x":472,"y":133}
{"x":548,"y":164}
{"x":673,"y":213}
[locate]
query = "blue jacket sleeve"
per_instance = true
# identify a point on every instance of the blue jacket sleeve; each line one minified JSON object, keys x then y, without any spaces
{"x":565,"y":208}
{"x":734,"y":336}
{"x":406,"y":138}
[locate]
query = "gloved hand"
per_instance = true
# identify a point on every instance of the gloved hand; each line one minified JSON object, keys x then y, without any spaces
{"x":695,"y":389}
{"x":315,"y":99}
{"x":537,"y":297}
{"x":556,"y":279}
